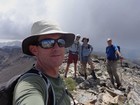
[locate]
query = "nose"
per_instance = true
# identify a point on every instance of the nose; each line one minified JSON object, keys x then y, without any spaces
{"x":56,"y":45}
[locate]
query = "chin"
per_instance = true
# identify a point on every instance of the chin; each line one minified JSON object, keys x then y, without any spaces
{"x":57,"y":63}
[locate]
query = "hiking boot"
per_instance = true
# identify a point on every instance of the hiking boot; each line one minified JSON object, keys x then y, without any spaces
{"x":65,"y":76}
{"x":93,"y":75}
{"x":75,"y":76}
{"x":85,"y":76}
{"x":119,"y":86}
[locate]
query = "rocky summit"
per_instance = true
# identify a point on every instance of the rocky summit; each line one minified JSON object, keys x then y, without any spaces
{"x":86,"y":92}
{"x":101,"y":91}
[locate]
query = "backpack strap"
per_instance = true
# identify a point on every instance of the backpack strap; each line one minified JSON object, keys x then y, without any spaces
{"x":70,"y":96}
{"x":51,"y":100}
{"x":51,"y":95}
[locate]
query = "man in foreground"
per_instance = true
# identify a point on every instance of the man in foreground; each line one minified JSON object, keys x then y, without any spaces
{"x":47,"y":44}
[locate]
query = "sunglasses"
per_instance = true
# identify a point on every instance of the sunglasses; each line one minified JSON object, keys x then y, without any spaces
{"x":49,"y":43}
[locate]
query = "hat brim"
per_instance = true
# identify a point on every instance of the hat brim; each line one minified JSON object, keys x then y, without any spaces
{"x":31,"y":40}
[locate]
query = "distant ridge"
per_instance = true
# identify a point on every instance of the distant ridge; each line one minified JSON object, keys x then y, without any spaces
{"x":10,"y":43}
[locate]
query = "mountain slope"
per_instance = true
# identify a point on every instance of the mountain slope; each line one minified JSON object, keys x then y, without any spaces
{"x":13,"y":62}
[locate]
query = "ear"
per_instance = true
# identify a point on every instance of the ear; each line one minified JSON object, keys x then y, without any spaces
{"x":33,"y":49}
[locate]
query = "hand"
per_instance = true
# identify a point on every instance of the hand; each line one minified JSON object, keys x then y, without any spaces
{"x":121,"y":57}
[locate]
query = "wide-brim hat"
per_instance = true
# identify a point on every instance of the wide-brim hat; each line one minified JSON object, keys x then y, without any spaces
{"x":45,"y":27}
{"x":86,"y":39}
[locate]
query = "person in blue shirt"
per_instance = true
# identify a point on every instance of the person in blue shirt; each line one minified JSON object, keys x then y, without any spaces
{"x":112,"y":52}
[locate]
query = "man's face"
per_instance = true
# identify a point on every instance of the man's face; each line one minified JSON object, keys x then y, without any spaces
{"x":109,"y":42}
{"x":78,"y":38}
{"x":52,"y":57}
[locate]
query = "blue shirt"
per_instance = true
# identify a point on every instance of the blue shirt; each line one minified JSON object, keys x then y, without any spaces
{"x":85,"y":51}
{"x":110,"y":52}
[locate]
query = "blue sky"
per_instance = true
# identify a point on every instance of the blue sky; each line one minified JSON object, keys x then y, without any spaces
{"x":96,"y":19}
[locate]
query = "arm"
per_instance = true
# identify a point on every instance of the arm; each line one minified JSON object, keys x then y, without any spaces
{"x":117,"y":52}
{"x":30,"y":91}
{"x":91,"y":49}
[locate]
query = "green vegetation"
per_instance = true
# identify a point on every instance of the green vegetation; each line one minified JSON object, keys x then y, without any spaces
{"x":70,"y":83}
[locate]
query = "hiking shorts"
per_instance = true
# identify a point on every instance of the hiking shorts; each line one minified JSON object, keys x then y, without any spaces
{"x":86,"y":59}
{"x":72,"y":58}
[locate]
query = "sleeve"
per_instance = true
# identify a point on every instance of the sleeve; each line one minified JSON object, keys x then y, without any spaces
{"x":30,"y":91}
{"x":91,"y":49}
{"x":116,"y":48}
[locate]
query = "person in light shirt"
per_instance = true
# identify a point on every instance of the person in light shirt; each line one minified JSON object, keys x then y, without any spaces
{"x":73,"y":56}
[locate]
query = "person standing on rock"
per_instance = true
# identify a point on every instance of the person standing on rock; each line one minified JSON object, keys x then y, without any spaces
{"x":47,"y":44}
{"x":85,"y":57}
{"x":111,"y":52}
{"x":73,"y":55}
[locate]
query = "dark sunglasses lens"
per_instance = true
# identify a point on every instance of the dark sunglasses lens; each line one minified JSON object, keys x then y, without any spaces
{"x":47,"y":43}
{"x":61,"y":42}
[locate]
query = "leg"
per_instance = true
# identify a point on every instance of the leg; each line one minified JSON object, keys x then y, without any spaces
{"x":84,"y":68}
{"x":91,"y":63}
{"x":66,"y":71}
{"x":114,"y":67}
{"x":109,"y":70}
{"x":70,"y":57}
{"x":75,"y":69}
{"x":84,"y":63}
{"x":75,"y":63}
{"x":92,"y":68}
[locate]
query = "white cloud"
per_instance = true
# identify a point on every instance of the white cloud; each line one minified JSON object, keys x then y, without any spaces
{"x":97,"y":19}
{"x":6,"y":5}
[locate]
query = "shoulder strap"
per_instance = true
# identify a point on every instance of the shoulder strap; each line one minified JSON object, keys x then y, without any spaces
{"x":51,"y":100}
{"x":70,"y":96}
{"x":51,"y":96}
